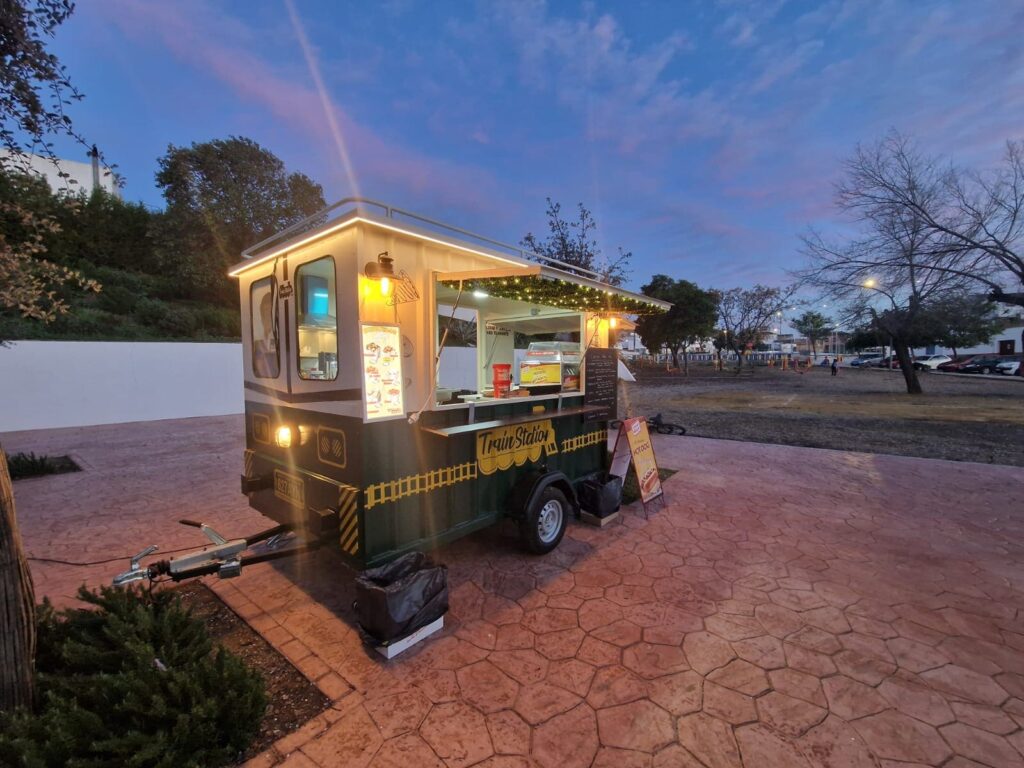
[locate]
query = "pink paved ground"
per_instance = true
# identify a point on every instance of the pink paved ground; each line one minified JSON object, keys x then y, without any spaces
{"x":791,"y":607}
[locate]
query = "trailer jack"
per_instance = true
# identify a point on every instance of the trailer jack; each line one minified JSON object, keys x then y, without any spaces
{"x":225,"y":558}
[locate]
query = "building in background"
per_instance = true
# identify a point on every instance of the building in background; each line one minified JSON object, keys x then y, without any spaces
{"x":70,"y":175}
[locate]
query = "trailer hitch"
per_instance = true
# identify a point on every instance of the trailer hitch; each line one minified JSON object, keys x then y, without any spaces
{"x":225,"y":558}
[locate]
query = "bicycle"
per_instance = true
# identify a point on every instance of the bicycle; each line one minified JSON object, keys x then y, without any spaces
{"x":657,"y":424}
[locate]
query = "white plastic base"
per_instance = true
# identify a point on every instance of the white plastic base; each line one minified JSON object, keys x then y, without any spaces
{"x":393,"y":649}
{"x":600,"y":522}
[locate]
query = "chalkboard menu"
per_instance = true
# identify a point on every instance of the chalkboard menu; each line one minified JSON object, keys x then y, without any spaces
{"x":601,"y":383}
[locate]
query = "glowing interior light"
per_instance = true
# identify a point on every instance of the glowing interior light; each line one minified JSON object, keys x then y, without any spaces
{"x":283,"y":437}
{"x":480,"y":294}
{"x":614,"y":322}
{"x":385,"y":286}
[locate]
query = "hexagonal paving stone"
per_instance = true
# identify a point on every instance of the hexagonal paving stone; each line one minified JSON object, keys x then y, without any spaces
{"x":834,"y":744}
{"x":732,"y":627}
{"x":705,"y":651}
{"x":510,"y":734}
{"x":572,"y":674}
{"x":613,"y":757}
{"x":352,"y":740}
{"x":984,"y":717}
{"x":789,"y":716}
{"x":562,"y":644}
{"x":815,"y":639}
{"x":764,"y":651}
{"x":598,"y":652}
{"x":615,"y":685}
{"x":675,"y":756}
{"x":638,"y":725}
{"x":894,"y":736}
{"x":741,"y":676}
{"x":652,"y":660}
{"x":542,"y":701}
{"x":626,"y":594}
{"x":914,"y":656}
{"x":398,"y":712}
{"x":546,"y":619}
{"x":966,"y":683}
{"x":811,"y":662}
{"x":765,"y":748}
{"x":568,"y":740}
{"x":917,"y":700}
{"x":710,"y":740}
{"x":799,"y":685}
{"x":851,"y":699}
{"x":525,"y":667}
{"x":982,"y":746}
{"x":457,"y":733}
{"x":620,"y":633}
{"x":679,"y":694}
{"x":487,"y":687}
{"x":728,"y":705}
{"x":777,"y":621}
{"x":408,"y":749}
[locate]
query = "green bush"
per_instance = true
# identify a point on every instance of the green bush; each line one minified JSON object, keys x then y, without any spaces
{"x":135,"y":682}
{"x":117,"y":299}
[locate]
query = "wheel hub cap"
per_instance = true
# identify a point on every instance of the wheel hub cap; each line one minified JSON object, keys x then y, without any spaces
{"x":549,"y":521}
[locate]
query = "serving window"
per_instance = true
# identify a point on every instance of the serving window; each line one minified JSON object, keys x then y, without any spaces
{"x":502,"y":347}
{"x":316,"y":307}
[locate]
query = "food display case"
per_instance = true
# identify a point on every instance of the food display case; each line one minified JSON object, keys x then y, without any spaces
{"x":550,"y":366}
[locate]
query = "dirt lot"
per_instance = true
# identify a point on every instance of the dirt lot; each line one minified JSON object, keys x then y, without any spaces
{"x":964,"y":418}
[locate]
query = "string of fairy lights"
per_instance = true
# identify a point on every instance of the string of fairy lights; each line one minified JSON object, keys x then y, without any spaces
{"x":553,"y":292}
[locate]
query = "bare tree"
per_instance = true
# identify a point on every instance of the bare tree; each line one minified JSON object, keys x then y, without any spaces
{"x":899,"y":265}
{"x":977,"y":221}
{"x":746,"y":316}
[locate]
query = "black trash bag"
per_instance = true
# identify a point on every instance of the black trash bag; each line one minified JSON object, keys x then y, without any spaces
{"x":601,"y":494}
{"x":398,"y":598}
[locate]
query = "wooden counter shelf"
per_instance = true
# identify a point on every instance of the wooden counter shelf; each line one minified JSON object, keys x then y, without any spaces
{"x":478,"y":426}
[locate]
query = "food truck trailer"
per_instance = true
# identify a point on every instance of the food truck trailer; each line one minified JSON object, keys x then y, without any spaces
{"x":361,"y":427}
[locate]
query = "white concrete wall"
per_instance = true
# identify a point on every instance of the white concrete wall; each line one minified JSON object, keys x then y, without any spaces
{"x":76,"y":383}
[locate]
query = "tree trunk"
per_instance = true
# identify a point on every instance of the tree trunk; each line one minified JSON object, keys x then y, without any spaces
{"x":17,"y":605}
{"x":686,"y":362}
{"x":953,"y":350}
{"x":675,"y":358}
{"x":902,"y":352}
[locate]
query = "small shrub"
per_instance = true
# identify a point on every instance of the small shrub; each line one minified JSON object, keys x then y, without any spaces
{"x":23,"y":465}
{"x":117,"y":299}
{"x":135,"y":682}
{"x":179,"y":323}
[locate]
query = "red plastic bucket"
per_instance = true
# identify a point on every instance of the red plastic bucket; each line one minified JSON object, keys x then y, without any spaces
{"x":502,"y":379}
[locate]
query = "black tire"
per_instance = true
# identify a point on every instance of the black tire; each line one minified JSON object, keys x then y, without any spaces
{"x":539,"y":533}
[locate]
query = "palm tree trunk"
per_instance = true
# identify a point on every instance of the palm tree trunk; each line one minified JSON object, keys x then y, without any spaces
{"x":17,"y":605}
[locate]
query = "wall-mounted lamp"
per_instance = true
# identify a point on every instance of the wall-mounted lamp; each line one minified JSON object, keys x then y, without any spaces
{"x":382,"y":271}
{"x":614,"y":322}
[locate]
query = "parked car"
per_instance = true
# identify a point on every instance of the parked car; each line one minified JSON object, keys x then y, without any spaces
{"x":1008,"y":367}
{"x":954,"y":365}
{"x":865,"y":359}
{"x":981,"y":365}
{"x":930,"y":362}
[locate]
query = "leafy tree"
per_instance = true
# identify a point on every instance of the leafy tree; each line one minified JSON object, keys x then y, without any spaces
{"x":963,"y":321}
{"x":691,"y":318}
{"x":35,"y":93}
{"x":573,"y":244}
{"x":814,"y":326}
{"x":746,"y":316}
{"x":863,"y":336}
{"x":223,"y":196}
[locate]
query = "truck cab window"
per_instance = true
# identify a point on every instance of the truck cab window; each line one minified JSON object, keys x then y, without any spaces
{"x":266,"y":351}
{"x":316,"y":306}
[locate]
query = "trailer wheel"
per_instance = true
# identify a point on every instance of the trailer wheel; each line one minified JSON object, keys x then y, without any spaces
{"x":544,"y":522}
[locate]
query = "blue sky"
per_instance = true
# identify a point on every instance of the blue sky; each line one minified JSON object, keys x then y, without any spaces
{"x":704,"y":136}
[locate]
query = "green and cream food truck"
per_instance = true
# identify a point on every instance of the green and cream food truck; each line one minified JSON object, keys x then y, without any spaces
{"x":367,"y":427}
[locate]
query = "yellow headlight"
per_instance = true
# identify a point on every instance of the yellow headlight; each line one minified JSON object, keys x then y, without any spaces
{"x":283,"y":437}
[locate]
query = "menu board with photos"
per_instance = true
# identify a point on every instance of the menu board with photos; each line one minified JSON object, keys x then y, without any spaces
{"x":382,"y":371}
{"x":601,"y":383}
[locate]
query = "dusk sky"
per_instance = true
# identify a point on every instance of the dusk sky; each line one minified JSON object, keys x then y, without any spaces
{"x":704,"y":136}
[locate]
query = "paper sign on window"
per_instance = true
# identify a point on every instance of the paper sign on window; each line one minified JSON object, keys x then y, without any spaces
{"x":382,"y":371}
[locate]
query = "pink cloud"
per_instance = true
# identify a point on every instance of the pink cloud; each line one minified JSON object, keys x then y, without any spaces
{"x":226,"y":48}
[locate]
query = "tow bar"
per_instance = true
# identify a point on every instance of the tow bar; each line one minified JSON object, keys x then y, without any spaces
{"x":225,"y":558}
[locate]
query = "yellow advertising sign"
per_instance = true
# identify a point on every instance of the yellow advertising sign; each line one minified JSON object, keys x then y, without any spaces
{"x":646,"y":467}
{"x":540,"y":373}
{"x":501,"y":448}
